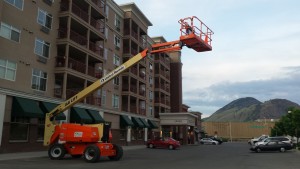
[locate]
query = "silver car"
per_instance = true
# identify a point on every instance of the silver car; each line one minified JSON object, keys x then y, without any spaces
{"x":208,"y":141}
{"x":279,"y":138}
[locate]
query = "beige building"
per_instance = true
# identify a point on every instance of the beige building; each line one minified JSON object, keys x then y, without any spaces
{"x":51,"y":50}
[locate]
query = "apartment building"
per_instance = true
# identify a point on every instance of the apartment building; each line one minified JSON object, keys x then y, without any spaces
{"x":53,"y":49}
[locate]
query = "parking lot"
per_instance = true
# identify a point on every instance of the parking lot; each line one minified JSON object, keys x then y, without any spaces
{"x":225,"y":156}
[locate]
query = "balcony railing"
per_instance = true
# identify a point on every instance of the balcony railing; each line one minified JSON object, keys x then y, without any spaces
{"x":76,"y":37}
{"x":72,"y":92}
{"x":62,"y":33}
{"x":142,"y":111}
{"x":96,"y":49}
{"x":98,"y":24}
{"x":94,"y":72}
{"x":80,"y":13}
{"x":99,"y":3}
{"x":93,"y":100}
{"x":134,"y":34}
{"x":76,"y":65}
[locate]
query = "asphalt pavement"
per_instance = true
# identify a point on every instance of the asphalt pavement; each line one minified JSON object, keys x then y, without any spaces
{"x":24,"y":155}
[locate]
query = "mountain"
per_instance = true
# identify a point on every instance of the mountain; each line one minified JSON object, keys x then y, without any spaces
{"x":250,"y":109}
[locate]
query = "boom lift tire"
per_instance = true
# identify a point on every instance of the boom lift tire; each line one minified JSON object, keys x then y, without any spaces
{"x":91,"y":153}
{"x":56,"y":152}
{"x":76,"y":156}
{"x":119,"y":153}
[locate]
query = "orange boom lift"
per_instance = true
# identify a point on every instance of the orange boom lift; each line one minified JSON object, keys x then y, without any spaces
{"x":93,"y":141}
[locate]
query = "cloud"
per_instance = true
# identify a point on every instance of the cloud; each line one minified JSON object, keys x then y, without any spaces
{"x":210,"y":99}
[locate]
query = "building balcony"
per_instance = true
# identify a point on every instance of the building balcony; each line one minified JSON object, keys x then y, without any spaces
{"x":93,"y":100}
{"x":96,"y":49}
{"x":80,"y":13}
{"x":94,"y":72}
{"x":76,"y":37}
{"x":76,"y":65}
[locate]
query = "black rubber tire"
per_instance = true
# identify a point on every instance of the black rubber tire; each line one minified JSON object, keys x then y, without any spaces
{"x":171,"y":147}
{"x":214,"y":143}
{"x":91,"y":154}
{"x":56,"y":152}
{"x":119,"y":153}
{"x":258,"y":150}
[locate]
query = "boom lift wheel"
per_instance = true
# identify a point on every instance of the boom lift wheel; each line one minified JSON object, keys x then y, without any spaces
{"x":56,"y":152}
{"x":119,"y":153}
{"x":91,"y":154}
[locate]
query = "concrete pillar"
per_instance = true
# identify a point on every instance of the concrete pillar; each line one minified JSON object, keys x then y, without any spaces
{"x":128,"y":140}
{"x":2,"y":112}
{"x":145,"y":134}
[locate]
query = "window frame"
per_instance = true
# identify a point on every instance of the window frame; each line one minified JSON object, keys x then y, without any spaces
{"x":116,"y":81}
{"x":14,"y":4}
{"x":20,"y":120}
{"x":11,"y":29}
{"x":44,"y":44}
{"x":6,"y":68}
{"x":117,"y":60}
{"x":115,"y":101}
{"x":44,"y":18}
{"x":117,"y":22}
{"x":117,"y":41}
{"x":103,"y":97}
{"x":38,"y":80}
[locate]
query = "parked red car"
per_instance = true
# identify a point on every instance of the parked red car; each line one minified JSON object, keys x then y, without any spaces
{"x":167,"y":142}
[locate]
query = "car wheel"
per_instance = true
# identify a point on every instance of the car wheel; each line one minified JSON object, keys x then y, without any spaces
{"x":151,"y":146}
{"x":56,"y":152}
{"x":171,"y":147}
{"x":91,"y":154}
{"x":201,"y":143}
{"x":282,"y":149}
{"x":258,"y":150}
{"x":214,"y":143}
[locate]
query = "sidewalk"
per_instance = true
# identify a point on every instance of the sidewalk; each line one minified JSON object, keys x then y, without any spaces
{"x":24,"y":155}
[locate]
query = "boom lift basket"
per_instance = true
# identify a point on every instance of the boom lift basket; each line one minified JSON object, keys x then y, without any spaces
{"x":195,"y":34}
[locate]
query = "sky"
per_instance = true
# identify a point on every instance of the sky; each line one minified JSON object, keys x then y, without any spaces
{"x":255,"y":49}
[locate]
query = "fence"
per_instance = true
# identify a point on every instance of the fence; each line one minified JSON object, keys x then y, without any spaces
{"x":237,"y":131}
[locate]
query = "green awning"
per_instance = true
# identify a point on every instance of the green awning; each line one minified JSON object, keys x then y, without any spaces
{"x":146,"y":124}
{"x":125,"y":121}
{"x":26,"y":108}
{"x":137,"y":122}
{"x":79,"y":115}
{"x":47,"y":107}
{"x":96,"y":116}
{"x":153,"y":124}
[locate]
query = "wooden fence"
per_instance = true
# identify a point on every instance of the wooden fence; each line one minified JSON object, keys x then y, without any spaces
{"x":237,"y":131}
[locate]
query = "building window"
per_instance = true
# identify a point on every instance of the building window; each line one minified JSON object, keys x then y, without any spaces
{"x":40,"y":129}
{"x":117,"y":42}
{"x":116,"y":60}
{"x":151,"y":110}
{"x":8,"y":70}
{"x":150,"y":80}
{"x":151,"y":67}
{"x":19,"y":129}
{"x":118,"y":22}
{"x":103,"y":97}
{"x":44,"y":19}
{"x":42,"y":48}
{"x":116,"y":81}
{"x":150,"y":95}
{"x":16,"y":3}
{"x":39,"y":80}
{"x":122,"y":134}
{"x":10,"y":32}
{"x":115,"y":101}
